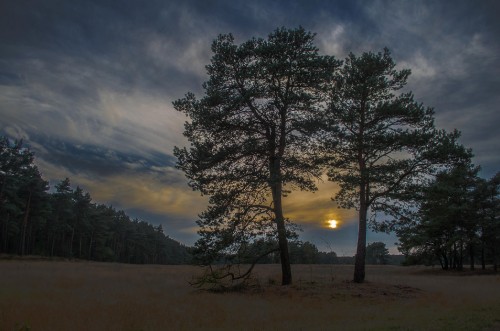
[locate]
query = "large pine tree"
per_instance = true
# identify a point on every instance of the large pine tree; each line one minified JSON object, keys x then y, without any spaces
{"x":383,"y":145}
{"x":250,"y":137}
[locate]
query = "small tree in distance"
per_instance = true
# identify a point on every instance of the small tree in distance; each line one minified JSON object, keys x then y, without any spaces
{"x":382,"y":146}
{"x":250,"y":139}
{"x":377,"y":253}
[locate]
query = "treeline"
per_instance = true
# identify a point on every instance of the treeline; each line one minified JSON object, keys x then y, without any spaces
{"x":263,"y":251}
{"x":266,"y":251}
{"x":458,"y":222}
{"x":66,"y":223}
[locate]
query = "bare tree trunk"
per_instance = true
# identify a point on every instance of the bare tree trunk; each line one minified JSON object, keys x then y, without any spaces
{"x":483,"y":262}
{"x":6,"y":234}
{"x":283,"y":245}
{"x":80,"y":248}
{"x":359,"y":266}
{"x":90,"y":245}
{"x":30,"y":245}
{"x":71,"y":243}
{"x":276,"y":188}
{"x":471,"y":253}
{"x":461,"y":260}
{"x":53,"y":244}
{"x":446,"y":263}
{"x":25,"y":224}
{"x":495,"y":260}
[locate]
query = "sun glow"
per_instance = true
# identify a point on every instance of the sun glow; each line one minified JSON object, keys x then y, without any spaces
{"x":332,"y":224}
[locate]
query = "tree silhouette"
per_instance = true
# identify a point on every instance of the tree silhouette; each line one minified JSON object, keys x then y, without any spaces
{"x":458,"y":214}
{"x":250,"y":138}
{"x":66,"y":223}
{"x":383,"y":146}
{"x":377,"y":253}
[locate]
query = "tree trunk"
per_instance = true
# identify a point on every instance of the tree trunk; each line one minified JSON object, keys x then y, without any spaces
{"x":25,"y":224}
{"x":90,"y":245}
{"x":495,"y":261}
{"x":359,"y":266}
{"x":71,"y":243}
{"x":6,"y":234}
{"x":483,"y":262}
{"x":471,"y":253}
{"x":53,"y":244}
{"x":80,"y":248}
{"x":446,"y":263}
{"x":30,"y":242}
{"x":461,"y":260}
{"x":286,"y":269}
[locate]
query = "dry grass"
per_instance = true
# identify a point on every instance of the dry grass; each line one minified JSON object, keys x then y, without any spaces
{"x":43,"y":295}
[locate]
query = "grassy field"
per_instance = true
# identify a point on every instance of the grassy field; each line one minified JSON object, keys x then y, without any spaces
{"x":48,"y":295}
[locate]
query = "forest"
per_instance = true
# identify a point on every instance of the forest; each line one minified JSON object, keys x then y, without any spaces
{"x":66,"y":223}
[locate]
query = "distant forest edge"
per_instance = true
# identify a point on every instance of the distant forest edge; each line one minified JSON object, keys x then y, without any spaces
{"x":67,"y":224}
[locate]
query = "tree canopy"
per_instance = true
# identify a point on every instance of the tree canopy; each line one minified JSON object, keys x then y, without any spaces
{"x":457,"y":220}
{"x":250,"y":137}
{"x":377,"y":253}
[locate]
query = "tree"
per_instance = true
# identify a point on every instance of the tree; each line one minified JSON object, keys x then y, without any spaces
{"x":377,"y":253}
{"x":21,"y":188}
{"x":82,"y":210}
{"x":456,"y":215}
{"x":487,"y":203}
{"x":62,"y":222}
{"x":250,"y":138}
{"x":304,"y":253}
{"x":382,"y":145}
{"x":32,"y":191}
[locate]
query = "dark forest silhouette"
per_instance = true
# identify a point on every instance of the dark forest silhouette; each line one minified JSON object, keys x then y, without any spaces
{"x":66,"y":223}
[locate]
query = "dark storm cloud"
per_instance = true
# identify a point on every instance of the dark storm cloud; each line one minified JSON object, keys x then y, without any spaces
{"x":89,"y":84}
{"x":93,"y":160}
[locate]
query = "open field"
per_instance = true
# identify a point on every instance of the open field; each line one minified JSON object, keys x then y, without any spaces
{"x":48,"y":295}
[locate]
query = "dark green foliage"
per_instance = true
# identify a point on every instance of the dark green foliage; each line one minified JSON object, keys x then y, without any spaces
{"x":458,"y":221}
{"x":300,"y":253}
{"x":250,"y":139}
{"x":23,"y":201}
{"x":304,"y":253}
{"x":377,"y":253}
{"x":487,"y":202}
{"x":67,"y":223}
{"x":328,"y":258}
{"x":382,"y":145}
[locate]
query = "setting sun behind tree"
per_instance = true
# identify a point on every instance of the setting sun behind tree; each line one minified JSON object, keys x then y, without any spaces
{"x":332,"y":224}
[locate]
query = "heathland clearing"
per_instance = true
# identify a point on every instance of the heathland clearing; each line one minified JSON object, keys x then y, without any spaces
{"x":48,"y":295}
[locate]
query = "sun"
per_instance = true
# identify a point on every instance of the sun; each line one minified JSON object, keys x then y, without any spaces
{"x":332,"y":224}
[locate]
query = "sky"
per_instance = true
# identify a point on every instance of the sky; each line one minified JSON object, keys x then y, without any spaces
{"x":89,"y":85}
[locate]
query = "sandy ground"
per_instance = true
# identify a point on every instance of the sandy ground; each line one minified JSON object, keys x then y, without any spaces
{"x":48,"y":295}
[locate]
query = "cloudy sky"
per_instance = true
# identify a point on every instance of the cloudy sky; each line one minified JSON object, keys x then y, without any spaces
{"x":89,"y":86}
